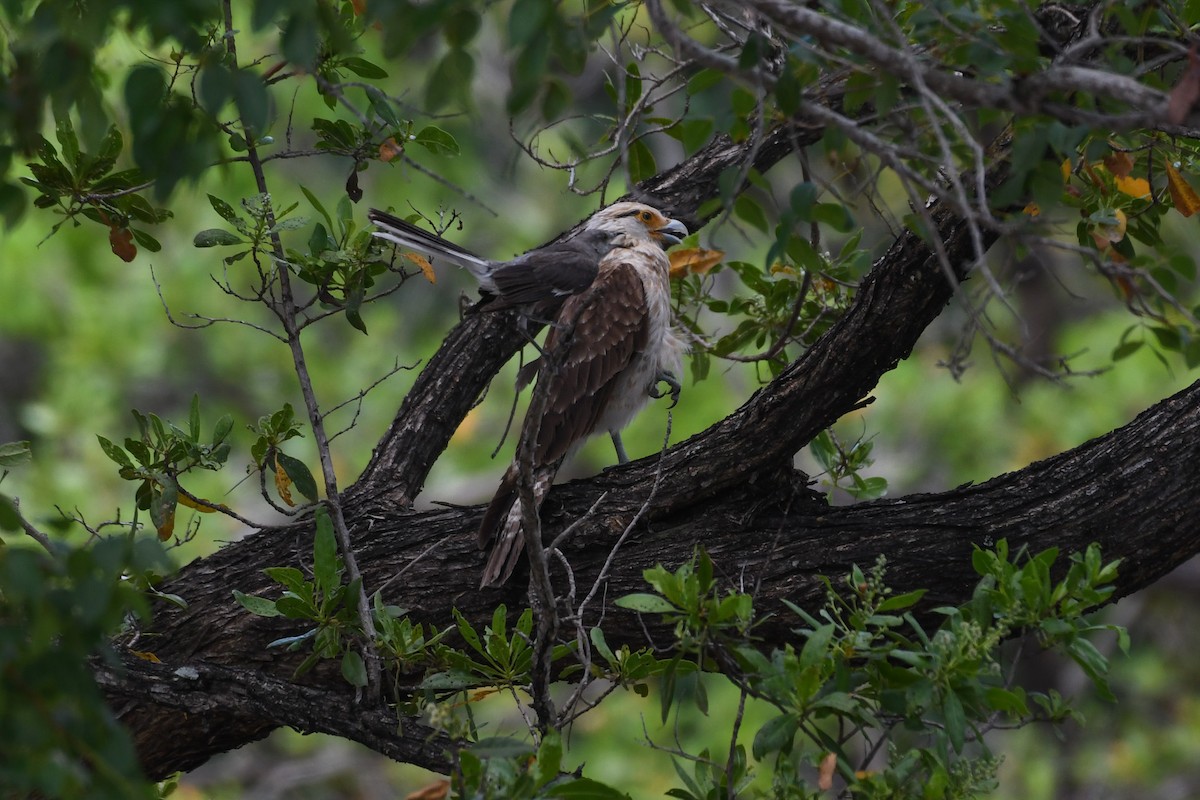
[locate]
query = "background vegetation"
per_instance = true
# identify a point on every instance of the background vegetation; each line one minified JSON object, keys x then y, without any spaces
{"x":85,"y":336}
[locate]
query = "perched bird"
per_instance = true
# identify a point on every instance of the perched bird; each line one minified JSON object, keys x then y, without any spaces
{"x":607,"y":292}
{"x":607,"y":349}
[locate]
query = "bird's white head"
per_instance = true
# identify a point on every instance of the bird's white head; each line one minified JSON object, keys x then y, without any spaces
{"x":639,"y":223}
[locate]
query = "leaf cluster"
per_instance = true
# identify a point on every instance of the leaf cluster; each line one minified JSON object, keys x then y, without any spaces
{"x":324,"y":601}
{"x":161,"y":454}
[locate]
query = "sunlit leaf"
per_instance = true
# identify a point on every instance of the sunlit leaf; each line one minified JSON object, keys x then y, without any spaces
{"x":283,"y":484}
{"x":423,"y":264}
{"x":1183,"y":196}
{"x":1134,"y":187}
{"x":204,"y":507}
{"x":693,"y":261}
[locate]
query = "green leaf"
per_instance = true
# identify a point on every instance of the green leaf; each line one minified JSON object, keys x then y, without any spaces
{"x":901,"y":601}
{"x":955,"y":719}
{"x":214,"y":87}
{"x":14,"y":453}
{"x":598,"y":641}
{"x":325,"y":554}
{"x":10,"y":520}
{"x":641,"y":161}
{"x":256,"y":605}
{"x":817,"y":646}
{"x":450,"y":79}
{"x":115,"y":453}
{"x":549,"y":758}
{"x":301,"y":39}
{"x":748,"y":209}
{"x":353,"y":668}
{"x":646,"y":603}
{"x":363,"y":68}
{"x":215,"y":237}
{"x":1126,"y":349}
{"x":835,"y":215}
{"x":775,"y":736}
{"x":299,"y":474}
{"x":437,"y":141}
{"x":295,"y":608}
{"x":291,"y":578}
{"x":223,"y":209}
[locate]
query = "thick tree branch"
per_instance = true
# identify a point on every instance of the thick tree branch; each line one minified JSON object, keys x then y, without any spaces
{"x":771,"y":534}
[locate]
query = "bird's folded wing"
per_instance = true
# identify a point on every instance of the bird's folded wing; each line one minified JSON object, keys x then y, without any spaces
{"x":548,"y":274}
{"x":596,"y":337}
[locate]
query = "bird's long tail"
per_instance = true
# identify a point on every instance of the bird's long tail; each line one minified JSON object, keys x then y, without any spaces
{"x":410,"y":237}
{"x":503,"y":522}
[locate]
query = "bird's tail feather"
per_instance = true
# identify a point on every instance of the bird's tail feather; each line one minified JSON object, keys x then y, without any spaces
{"x":503,"y":519}
{"x":410,"y":237}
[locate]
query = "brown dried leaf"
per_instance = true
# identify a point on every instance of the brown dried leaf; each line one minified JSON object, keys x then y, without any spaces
{"x":1183,"y":196}
{"x":825,"y":772}
{"x":121,"y":242}
{"x":1119,"y":163}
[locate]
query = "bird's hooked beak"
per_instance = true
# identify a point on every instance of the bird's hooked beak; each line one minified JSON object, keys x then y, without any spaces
{"x":671,"y":234}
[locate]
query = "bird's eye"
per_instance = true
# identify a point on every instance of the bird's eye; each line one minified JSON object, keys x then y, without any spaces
{"x":646,"y":216}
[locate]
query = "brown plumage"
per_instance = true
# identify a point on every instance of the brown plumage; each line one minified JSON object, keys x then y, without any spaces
{"x":607,"y":348}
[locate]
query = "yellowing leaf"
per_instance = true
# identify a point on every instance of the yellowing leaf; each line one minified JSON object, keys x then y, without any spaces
{"x":1105,"y":234}
{"x":1134,"y":187}
{"x":168,"y":525}
{"x":283,"y":484}
{"x":1183,"y":196}
{"x":480,"y":694}
{"x":204,"y":507}
{"x":390,"y":149}
{"x":1066,"y":169}
{"x":425,"y":266}
{"x":694,"y":260}
{"x":1033,"y":210}
{"x":153,"y":659}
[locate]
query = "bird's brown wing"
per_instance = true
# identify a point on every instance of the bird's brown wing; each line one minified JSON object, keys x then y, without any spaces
{"x":596,"y":336}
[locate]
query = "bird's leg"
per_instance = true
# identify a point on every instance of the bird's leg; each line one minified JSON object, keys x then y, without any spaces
{"x":622,"y":458}
{"x":670,"y":380}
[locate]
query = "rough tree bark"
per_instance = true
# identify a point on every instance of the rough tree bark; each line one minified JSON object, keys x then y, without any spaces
{"x":731,"y":488}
